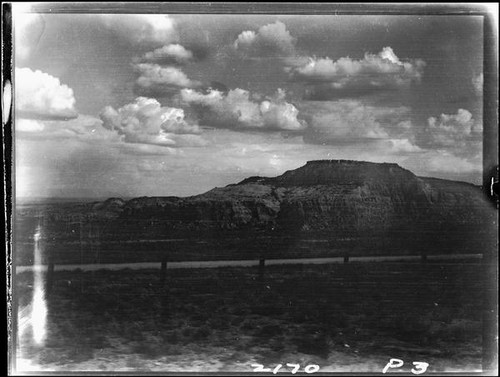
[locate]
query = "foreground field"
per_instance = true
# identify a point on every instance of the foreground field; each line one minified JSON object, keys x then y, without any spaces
{"x":352,"y":317}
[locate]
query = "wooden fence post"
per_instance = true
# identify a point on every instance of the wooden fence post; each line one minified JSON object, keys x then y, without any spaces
{"x":164,"y":295}
{"x":262,"y":263}
{"x":50,"y":277}
{"x":163,"y":272}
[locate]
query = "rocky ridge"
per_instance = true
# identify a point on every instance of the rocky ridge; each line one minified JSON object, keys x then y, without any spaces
{"x":363,"y":206}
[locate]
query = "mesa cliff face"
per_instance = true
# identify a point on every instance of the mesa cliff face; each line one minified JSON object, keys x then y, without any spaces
{"x":322,"y":207}
{"x":333,"y":195}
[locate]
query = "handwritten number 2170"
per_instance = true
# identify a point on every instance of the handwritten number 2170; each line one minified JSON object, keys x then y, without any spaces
{"x":312,"y":368}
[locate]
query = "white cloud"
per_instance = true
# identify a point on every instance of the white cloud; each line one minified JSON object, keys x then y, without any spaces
{"x":156,"y":79}
{"x":237,"y":110}
{"x":83,"y":128}
{"x":453,"y":131}
{"x":403,"y":146}
{"x":349,"y":76}
{"x":346,"y":121}
{"x":352,"y":121}
{"x":245,"y":39}
{"x":142,"y":29}
{"x":146,"y":121}
{"x":169,"y":54}
{"x":444,"y":162}
{"x":29,"y":125}
{"x":385,"y":62}
{"x":41,"y":95}
{"x":270,"y":38}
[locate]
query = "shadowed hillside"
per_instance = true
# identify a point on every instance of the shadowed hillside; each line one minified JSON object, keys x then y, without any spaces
{"x":324,"y":208}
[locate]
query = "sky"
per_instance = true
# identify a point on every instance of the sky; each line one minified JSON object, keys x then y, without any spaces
{"x":156,"y":105}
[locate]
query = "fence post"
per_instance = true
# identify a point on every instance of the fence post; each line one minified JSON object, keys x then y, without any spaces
{"x":50,"y":277}
{"x":346,"y":258}
{"x":262,"y":263}
{"x":423,"y":258}
{"x":164,"y":295}
{"x":163,"y":272}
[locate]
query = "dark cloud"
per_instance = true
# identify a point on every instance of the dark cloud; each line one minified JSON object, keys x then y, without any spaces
{"x":200,"y":51}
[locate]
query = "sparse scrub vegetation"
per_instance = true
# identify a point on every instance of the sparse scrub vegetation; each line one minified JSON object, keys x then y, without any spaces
{"x":313,"y":310}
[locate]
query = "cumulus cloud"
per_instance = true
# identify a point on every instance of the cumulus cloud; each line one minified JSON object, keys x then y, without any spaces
{"x":269,"y":39}
{"x":349,"y":77}
{"x":346,"y":121}
{"x":155,"y":79}
{"x":453,"y":131}
{"x":402,"y":146}
{"x":352,"y":121}
{"x":146,"y":121}
{"x":42,"y":96}
{"x":142,"y":29}
{"x":237,"y":109}
{"x":169,"y":54}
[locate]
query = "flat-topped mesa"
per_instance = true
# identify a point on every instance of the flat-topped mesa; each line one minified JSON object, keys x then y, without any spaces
{"x":378,"y":207}
{"x":348,"y":172}
{"x":349,"y":162}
